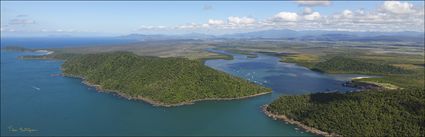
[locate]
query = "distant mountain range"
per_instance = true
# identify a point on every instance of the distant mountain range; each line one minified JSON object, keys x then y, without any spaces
{"x":286,"y":34}
{"x":190,"y":36}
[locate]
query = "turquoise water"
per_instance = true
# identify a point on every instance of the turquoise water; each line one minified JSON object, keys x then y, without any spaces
{"x":31,"y":97}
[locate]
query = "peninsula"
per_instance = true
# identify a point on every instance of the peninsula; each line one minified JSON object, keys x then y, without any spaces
{"x":394,"y":107}
{"x":160,"y":81}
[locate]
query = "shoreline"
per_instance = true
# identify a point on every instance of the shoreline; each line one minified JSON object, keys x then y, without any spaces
{"x":361,"y":77}
{"x":153,"y":102}
{"x":45,"y":51}
{"x":297,"y":123}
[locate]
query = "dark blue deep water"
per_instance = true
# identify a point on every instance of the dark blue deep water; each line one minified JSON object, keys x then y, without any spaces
{"x":34,"y":98}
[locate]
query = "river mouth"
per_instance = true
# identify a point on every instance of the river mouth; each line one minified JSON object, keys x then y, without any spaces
{"x":33,"y":98}
{"x":283,"y":78}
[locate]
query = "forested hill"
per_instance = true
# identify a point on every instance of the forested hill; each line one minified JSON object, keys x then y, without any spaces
{"x":397,"y":109}
{"x":164,"y":80}
{"x":341,"y":64}
{"x":367,"y":113}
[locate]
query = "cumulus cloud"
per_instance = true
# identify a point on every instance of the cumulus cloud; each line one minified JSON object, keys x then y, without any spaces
{"x":63,"y":30}
{"x":312,"y":16}
{"x":286,"y":16}
{"x":384,"y":18}
{"x":378,"y":19}
{"x":347,"y":14}
{"x":410,"y":18}
{"x":311,"y":3}
{"x":398,"y":7}
{"x":7,"y":28}
{"x":233,"y":20}
{"x":215,"y":22}
{"x":307,"y":10}
{"x":143,"y":27}
{"x":192,"y":26}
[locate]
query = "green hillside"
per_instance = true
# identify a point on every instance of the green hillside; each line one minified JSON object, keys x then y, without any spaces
{"x":341,"y":64}
{"x":366,"y":113}
{"x":164,"y":80}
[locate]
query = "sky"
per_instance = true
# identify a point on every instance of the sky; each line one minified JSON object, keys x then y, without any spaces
{"x":112,"y":18}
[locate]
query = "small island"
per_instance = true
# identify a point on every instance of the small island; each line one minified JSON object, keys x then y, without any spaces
{"x":160,"y":81}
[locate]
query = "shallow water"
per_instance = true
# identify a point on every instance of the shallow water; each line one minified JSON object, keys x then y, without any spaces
{"x":283,"y":78}
{"x":31,"y":97}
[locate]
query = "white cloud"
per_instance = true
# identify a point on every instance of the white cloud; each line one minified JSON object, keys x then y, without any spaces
{"x":7,"y":28}
{"x":3,"y":29}
{"x":397,"y":7}
{"x":215,"y":22}
{"x":192,"y":26}
{"x":205,"y":25}
{"x":307,"y":10}
{"x":311,"y":3}
{"x":233,"y":20}
{"x":144,"y":27}
{"x":64,"y":30}
{"x":286,"y":16}
{"x":347,"y":14}
{"x":312,"y":16}
{"x":411,"y":18}
{"x":21,"y":22}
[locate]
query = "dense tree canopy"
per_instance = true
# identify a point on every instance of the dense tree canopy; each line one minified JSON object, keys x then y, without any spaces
{"x":341,"y":64}
{"x":366,"y":113}
{"x":374,"y":112}
{"x":166,"y":80}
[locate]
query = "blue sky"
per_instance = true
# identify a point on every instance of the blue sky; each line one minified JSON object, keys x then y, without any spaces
{"x":120,"y":18}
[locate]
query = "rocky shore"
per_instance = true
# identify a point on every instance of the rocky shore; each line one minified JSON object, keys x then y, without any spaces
{"x":360,"y":86}
{"x":297,"y":123}
{"x":153,"y":102}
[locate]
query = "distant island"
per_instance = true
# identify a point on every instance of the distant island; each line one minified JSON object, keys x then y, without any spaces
{"x":159,"y":81}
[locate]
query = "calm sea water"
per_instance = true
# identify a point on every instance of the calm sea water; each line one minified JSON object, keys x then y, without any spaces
{"x":31,"y":97}
{"x":283,"y":78}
